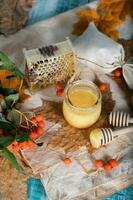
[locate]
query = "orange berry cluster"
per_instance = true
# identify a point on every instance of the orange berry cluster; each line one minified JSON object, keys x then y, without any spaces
{"x":16,"y":146}
{"x":112,"y":163}
{"x":59,"y":90}
{"x":38,"y":126}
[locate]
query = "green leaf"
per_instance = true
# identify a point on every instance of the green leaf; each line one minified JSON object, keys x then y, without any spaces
{"x":7,"y":126}
{"x":7,"y":154}
{"x":14,"y":117}
{"x":1,"y":118}
{"x":5,"y":60}
{"x":9,"y":65}
{"x":12,"y":97}
{"x":5,"y":141}
{"x":2,"y":105}
{"x":22,"y":137}
{"x":7,"y":91}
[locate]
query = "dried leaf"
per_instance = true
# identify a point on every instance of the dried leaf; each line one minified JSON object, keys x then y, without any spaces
{"x":107,"y":17}
{"x":5,"y":141}
{"x":7,"y":126}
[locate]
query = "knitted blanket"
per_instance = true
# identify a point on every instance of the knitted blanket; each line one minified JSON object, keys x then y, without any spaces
{"x":13,"y":15}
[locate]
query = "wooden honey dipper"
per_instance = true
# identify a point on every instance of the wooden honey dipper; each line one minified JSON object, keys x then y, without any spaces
{"x":120,"y":119}
{"x":103,"y":136}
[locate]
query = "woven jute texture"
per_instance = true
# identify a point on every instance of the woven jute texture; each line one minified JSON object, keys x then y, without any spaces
{"x":13,"y":184}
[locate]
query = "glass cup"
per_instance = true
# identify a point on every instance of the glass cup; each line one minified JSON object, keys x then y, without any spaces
{"x":82,"y":104}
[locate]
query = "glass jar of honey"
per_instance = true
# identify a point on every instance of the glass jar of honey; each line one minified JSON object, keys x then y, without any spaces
{"x":82,"y":104}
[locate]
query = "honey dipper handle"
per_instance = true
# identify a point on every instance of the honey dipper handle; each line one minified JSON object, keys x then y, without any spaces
{"x":122,"y":131}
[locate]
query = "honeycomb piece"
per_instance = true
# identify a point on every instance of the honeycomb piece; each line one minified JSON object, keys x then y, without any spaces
{"x":49,"y":65}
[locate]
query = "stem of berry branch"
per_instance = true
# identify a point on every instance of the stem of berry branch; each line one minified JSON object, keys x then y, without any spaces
{"x":26,"y":119}
{"x":21,"y":83}
{"x":20,"y":121}
{"x":22,"y":115}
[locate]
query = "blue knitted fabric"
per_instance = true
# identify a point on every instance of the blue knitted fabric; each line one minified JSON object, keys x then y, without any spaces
{"x":126,"y":194}
{"x":43,"y":9}
{"x":35,"y":190}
